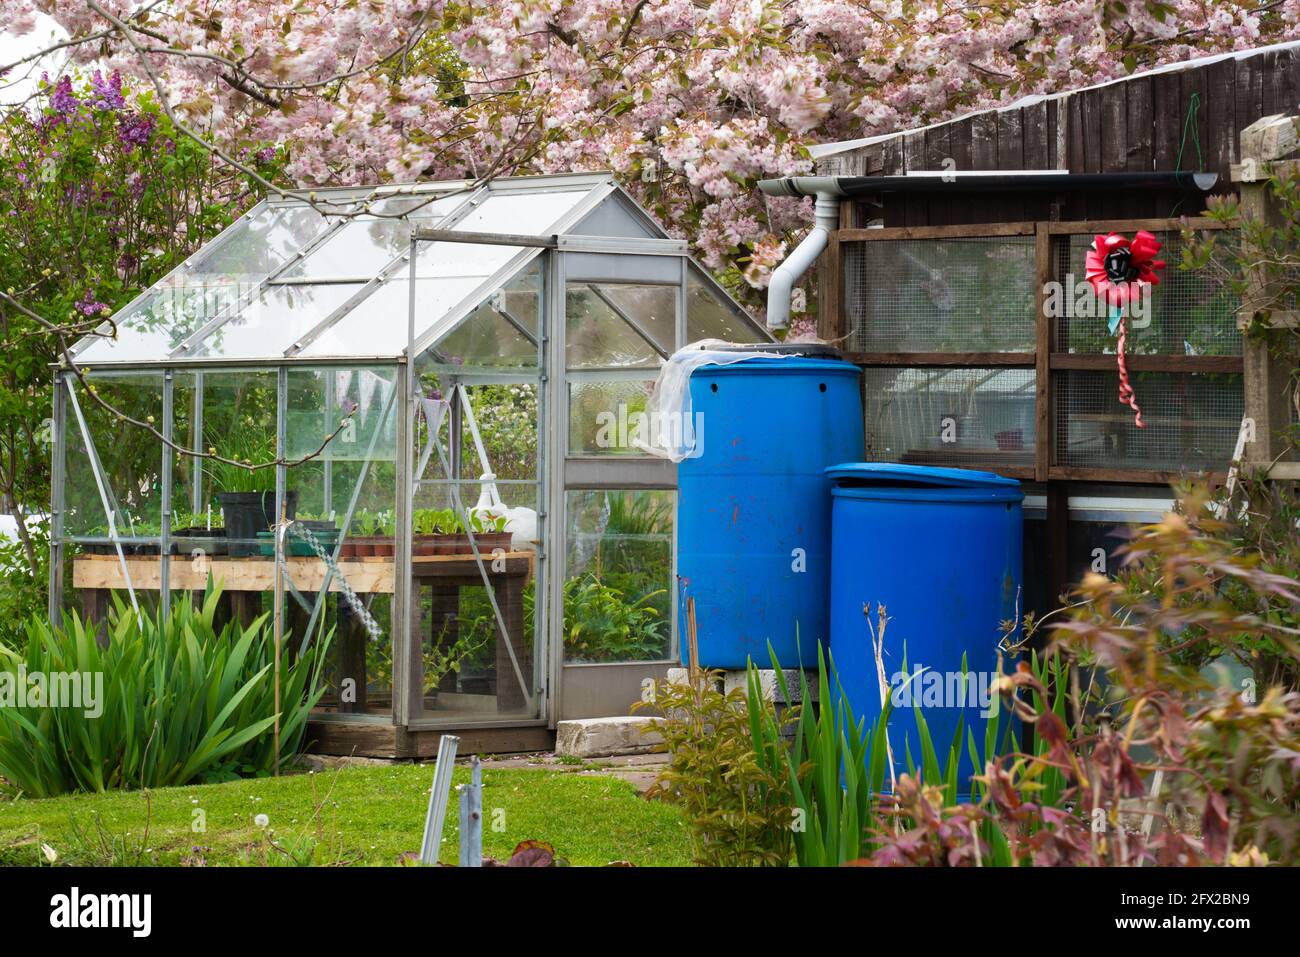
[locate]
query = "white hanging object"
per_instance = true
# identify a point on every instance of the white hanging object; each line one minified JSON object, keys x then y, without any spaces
{"x":521,"y":521}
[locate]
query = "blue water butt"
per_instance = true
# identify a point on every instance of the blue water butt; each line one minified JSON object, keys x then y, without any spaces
{"x":753,"y":508}
{"x":941,"y":550}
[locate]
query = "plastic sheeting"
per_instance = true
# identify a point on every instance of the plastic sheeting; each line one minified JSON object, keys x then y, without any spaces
{"x":672,"y":433}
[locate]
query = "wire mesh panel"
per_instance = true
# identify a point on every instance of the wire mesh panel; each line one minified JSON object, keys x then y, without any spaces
{"x":1192,"y":420}
{"x":953,"y":417}
{"x":1188,"y":313}
{"x":940,"y":295}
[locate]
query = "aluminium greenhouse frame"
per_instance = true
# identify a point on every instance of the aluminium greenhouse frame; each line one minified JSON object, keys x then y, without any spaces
{"x":561,"y":255}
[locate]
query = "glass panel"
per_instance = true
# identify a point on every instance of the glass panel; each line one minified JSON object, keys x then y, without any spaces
{"x":239,"y":423}
{"x":522,"y":213}
{"x":261,"y":243}
{"x":359,"y":670}
{"x":347,"y":404}
{"x":506,"y":417}
{"x":364,"y":246}
{"x":952,"y":417}
{"x":1188,"y":313}
{"x":607,"y":416}
{"x":486,"y":338}
{"x":131,"y":459}
{"x":652,"y":308}
{"x":437,"y":260}
{"x":275,"y":320}
{"x":377,"y":326}
{"x":613,"y":218}
{"x":501,"y":333}
{"x":596,"y":336}
{"x":164,"y":319}
{"x":1192,"y":420}
{"x":469,"y":668}
{"x":940,"y":295}
{"x":217,"y":276}
{"x":618,"y":580}
{"x":521,"y":298}
{"x":620,"y":268}
{"x":709,"y":317}
{"x":422,"y":205}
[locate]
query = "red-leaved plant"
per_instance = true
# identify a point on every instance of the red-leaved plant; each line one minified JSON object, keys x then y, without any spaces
{"x":1138,"y":758}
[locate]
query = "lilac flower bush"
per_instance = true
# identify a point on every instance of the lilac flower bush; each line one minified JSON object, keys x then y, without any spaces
{"x":99,"y":197}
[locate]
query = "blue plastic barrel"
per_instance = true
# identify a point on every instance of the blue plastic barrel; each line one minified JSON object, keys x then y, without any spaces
{"x":753,"y":509}
{"x":941,"y":550}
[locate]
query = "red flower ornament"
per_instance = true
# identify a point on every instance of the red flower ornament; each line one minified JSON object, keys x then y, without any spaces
{"x":1118,"y":268}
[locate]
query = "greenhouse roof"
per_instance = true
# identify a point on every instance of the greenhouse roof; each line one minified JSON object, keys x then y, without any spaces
{"x":293,"y":279}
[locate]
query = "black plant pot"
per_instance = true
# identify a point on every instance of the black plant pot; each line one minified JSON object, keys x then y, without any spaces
{"x":248,"y":513}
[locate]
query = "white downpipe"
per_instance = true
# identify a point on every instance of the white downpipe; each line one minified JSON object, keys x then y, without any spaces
{"x":800,"y":260}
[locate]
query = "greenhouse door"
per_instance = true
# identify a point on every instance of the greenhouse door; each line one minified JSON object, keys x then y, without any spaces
{"x":477,"y":651}
{"x":614,"y":599}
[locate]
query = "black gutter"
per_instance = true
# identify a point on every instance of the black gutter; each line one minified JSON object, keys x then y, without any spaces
{"x":987,"y":182}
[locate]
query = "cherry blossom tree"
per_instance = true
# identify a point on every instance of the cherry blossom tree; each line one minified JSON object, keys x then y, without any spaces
{"x":688,"y":101}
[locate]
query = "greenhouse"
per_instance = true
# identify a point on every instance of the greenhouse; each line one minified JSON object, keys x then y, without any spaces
{"x":441,"y":385}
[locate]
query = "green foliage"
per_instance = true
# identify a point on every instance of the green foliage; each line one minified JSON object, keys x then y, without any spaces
{"x":1259,"y":519}
{"x":448,"y":521}
{"x":23,"y":589}
{"x":249,"y":445}
{"x":366,"y":523}
{"x":442,"y":659}
{"x":639,"y":513}
{"x":1258,"y":261}
{"x":837,"y":767}
{"x":99,"y":198}
{"x":425,"y":521}
{"x":483,"y":522}
{"x":180,"y":701}
{"x":830,"y":768}
{"x":600,"y":624}
{"x":738,"y":807}
{"x":1227,"y":752}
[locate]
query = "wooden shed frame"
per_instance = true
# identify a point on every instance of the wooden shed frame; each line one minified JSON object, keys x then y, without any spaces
{"x":1046,"y":357}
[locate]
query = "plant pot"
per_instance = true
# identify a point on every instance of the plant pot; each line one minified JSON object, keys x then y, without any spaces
{"x":295,"y":547}
{"x":322,"y":530}
{"x":248,"y":513}
{"x":210,"y":541}
{"x":487,"y":542}
{"x":424,"y":545}
{"x":491,"y":541}
{"x":349,"y":549}
{"x":383,"y":547}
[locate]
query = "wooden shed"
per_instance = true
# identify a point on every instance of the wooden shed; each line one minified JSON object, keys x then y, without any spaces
{"x":943,"y":295}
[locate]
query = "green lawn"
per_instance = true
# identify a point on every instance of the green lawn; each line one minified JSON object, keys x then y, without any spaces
{"x":367,"y":815}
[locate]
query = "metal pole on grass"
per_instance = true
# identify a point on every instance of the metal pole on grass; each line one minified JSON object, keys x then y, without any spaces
{"x":471,"y":817}
{"x":438,"y":797}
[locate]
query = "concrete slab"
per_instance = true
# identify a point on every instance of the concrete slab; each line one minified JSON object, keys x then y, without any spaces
{"x":602,"y":737}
